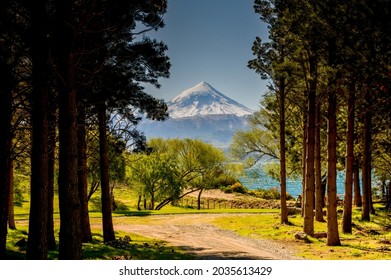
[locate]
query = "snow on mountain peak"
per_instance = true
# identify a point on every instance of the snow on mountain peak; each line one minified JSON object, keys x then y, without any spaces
{"x":203,"y":99}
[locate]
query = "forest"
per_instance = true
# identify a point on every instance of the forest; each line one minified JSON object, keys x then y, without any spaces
{"x":329,"y":67}
{"x":72,"y":89}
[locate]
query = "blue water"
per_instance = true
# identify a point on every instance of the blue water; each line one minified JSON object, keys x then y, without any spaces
{"x":256,"y":178}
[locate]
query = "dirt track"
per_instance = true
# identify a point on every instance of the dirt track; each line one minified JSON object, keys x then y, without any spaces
{"x":196,"y":235}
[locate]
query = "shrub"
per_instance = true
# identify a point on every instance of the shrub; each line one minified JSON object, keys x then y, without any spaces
{"x":238,"y":188}
{"x":226,"y":189}
{"x":272,"y":193}
{"x":224,"y":181}
{"x":235,"y":188}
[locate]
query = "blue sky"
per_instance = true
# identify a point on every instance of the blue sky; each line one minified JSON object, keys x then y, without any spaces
{"x":211,"y":40}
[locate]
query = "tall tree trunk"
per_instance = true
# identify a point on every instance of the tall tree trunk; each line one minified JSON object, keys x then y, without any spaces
{"x":356,"y":181}
{"x":366,"y":166}
{"x":152,"y":202}
{"x":5,"y":150}
{"x":82,"y":175}
{"x":347,"y":210}
{"x":37,"y":247}
{"x":284,"y":210}
{"x":319,"y":202}
{"x":11,"y":212}
{"x":373,"y":212}
{"x":332,"y":218}
{"x":199,"y":199}
{"x":303,"y":162}
{"x":108,"y":229}
{"x":309,"y":205}
{"x":51,"y":169}
{"x":70,"y":246}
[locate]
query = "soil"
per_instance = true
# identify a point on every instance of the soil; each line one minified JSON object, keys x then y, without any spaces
{"x":212,"y":199}
{"x":196,"y":234}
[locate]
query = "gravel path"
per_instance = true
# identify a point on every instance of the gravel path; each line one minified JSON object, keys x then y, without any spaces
{"x":196,"y":234}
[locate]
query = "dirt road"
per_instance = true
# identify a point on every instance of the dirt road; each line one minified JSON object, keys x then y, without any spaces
{"x":195,"y":234}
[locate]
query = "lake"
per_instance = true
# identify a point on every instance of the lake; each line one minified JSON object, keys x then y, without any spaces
{"x":256,"y":178}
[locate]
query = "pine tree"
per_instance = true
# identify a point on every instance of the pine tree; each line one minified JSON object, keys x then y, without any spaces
{"x":37,"y":241}
{"x":70,"y":246}
{"x":11,"y":47}
{"x":269,"y":63}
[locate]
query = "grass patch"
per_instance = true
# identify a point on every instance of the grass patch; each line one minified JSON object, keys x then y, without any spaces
{"x":368,"y":241}
{"x":139,"y":248}
{"x":127,"y":246}
{"x":185,"y":210}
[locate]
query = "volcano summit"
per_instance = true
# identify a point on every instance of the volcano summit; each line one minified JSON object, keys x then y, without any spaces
{"x":202,"y":100}
{"x":200,"y":112}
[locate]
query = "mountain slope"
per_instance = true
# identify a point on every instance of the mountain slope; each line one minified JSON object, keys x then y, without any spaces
{"x":201,"y":112}
{"x":202,"y":100}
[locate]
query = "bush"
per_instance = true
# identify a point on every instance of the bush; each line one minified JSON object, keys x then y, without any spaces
{"x":239,"y":188}
{"x":235,"y":188}
{"x":226,"y":189}
{"x":272,"y":193}
{"x":223,"y":181}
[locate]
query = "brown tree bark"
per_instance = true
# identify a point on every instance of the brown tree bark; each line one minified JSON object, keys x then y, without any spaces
{"x":319,"y":198}
{"x":347,"y":210}
{"x":51,"y":163}
{"x":82,"y":175}
{"x":152,"y":201}
{"x":5,"y":150}
{"x":108,"y":229}
{"x":70,"y":222}
{"x":199,"y":199}
{"x":37,"y":247}
{"x":11,"y":212}
{"x":303,"y":160}
{"x":366,"y":161}
{"x":356,"y":182}
{"x":373,"y":211}
{"x":284,"y":210}
{"x":332,"y":218}
{"x":309,"y":204}
{"x":70,"y":246}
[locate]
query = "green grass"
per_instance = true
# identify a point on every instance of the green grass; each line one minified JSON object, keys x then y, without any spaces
{"x":183,"y":210}
{"x":139,"y":248}
{"x":363,"y":244}
{"x":372,"y":241}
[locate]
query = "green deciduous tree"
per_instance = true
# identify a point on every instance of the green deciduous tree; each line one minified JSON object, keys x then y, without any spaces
{"x":172,"y":168}
{"x":157,"y":176}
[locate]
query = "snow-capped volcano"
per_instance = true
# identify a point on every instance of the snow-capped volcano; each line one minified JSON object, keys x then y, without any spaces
{"x":203,"y":100}
{"x":200,"y":112}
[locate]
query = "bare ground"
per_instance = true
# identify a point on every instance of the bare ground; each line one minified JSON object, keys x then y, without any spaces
{"x":196,"y":234}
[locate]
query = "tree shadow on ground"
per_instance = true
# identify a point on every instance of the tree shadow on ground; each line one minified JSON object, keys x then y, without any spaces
{"x":234,"y":255}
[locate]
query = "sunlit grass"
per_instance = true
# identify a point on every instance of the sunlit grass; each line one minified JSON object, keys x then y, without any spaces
{"x":140,"y":247}
{"x":369,"y":240}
